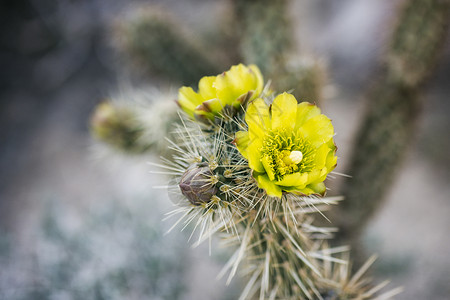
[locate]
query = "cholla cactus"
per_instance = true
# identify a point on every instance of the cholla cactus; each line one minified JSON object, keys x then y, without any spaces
{"x":257,"y":177}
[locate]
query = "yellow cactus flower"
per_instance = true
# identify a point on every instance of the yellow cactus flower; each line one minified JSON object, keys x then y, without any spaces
{"x":229,"y":90}
{"x":289,"y":146}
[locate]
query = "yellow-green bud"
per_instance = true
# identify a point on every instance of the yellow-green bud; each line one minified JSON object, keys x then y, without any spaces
{"x":116,"y":126}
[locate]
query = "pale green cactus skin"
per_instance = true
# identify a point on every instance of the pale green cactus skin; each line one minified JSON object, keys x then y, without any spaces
{"x":394,"y":105}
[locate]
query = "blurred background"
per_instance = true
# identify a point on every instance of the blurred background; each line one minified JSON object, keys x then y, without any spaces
{"x":80,"y":221}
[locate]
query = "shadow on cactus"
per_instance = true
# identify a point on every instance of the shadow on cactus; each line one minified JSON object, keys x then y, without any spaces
{"x":255,"y":175}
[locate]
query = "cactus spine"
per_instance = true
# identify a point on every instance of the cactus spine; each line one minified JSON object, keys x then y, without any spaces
{"x":394,"y":104}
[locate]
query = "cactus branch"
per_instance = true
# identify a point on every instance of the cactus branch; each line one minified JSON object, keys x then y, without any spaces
{"x":394,"y":105}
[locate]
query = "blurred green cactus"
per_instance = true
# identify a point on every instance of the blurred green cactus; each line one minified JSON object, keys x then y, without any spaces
{"x":159,"y":45}
{"x":265,"y":32}
{"x":116,"y":126}
{"x":394,"y":104}
{"x":306,"y":79}
{"x":267,"y":40}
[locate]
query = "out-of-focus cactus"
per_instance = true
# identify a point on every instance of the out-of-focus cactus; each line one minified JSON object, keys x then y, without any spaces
{"x":265,"y":31}
{"x":117,"y":126}
{"x":159,"y":45}
{"x":394,"y":103}
{"x":306,"y":78}
{"x":267,"y":40}
{"x":134,"y":127}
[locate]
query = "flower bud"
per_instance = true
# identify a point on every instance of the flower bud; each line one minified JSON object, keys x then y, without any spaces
{"x":198,"y":184}
{"x":117,"y":126}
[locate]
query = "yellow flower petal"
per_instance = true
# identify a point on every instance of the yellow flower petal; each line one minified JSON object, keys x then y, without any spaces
{"x":257,"y":118}
{"x":254,"y":155}
{"x":321,"y":155}
{"x":206,"y":87}
{"x":232,"y":84}
{"x":235,"y":88}
{"x":211,"y":106}
{"x":317,"y":130}
{"x":188,"y":100}
{"x":305,"y":111}
{"x":295,"y":179}
{"x":321,"y":175}
{"x":284,"y":111}
{"x":331,"y":161}
{"x":241,"y":140}
{"x":237,"y":81}
{"x":317,"y":188}
{"x":266,"y":164}
{"x":315,"y":174}
{"x":269,"y":186}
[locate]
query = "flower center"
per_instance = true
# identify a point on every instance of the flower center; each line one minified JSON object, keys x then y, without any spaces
{"x":295,"y":157}
{"x":286,"y":152}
